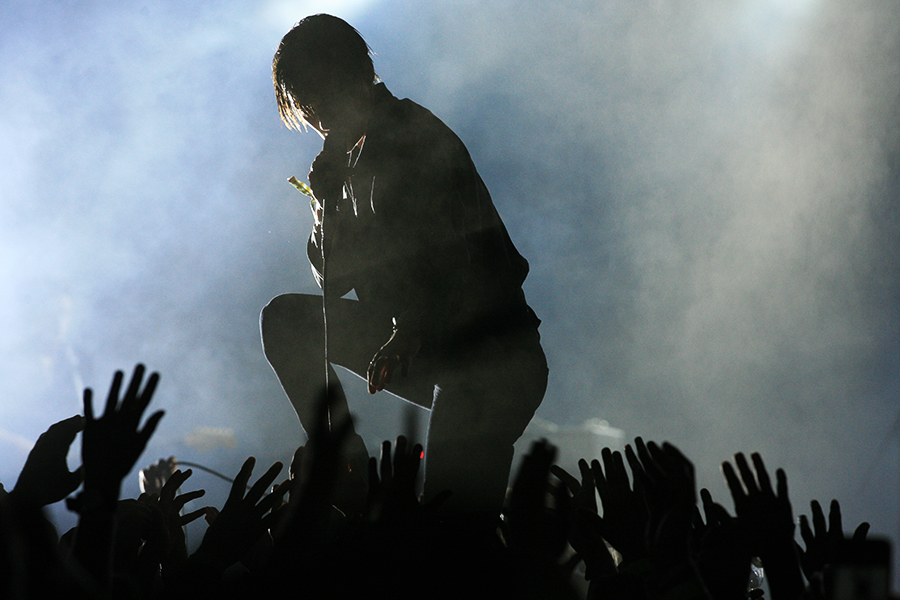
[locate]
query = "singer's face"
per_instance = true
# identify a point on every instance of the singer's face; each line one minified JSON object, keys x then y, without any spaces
{"x":312,"y":116}
{"x":327,"y":112}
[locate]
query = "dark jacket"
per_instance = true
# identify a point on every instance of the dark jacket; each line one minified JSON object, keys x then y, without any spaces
{"x":417,"y":235}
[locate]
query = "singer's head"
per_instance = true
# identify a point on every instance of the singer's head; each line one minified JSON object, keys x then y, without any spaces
{"x":323,"y":74}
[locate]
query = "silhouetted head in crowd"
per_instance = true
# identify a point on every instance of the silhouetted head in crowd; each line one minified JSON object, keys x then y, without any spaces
{"x":323,"y":76}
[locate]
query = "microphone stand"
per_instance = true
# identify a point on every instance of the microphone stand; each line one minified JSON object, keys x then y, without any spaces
{"x":328,"y":199}
{"x":328,"y":209}
{"x":333,"y":193}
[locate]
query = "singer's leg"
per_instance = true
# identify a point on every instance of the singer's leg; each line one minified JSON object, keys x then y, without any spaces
{"x":293,"y":340}
{"x":486,"y":396}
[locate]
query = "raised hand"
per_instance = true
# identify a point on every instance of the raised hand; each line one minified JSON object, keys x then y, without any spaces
{"x":112,"y":443}
{"x":583,"y":492}
{"x":399,"y":351}
{"x":153,"y":477}
{"x":46,"y":478}
{"x":822,"y":542}
{"x":244,"y":518}
{"x":585,"y":532}
{"x":670,"y":492}
{"x":532,"y":526}
{"x":625,"y":514}
{"x":721,"y":551}
{"x":765,"y":514}
{"x":665,"y":479}
{"x":392,"y":488}
{"x":765,"y":518}
{"x":173,"y":550}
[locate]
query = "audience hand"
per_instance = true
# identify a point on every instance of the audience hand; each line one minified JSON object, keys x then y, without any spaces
{"x":153,"y":477}
{"x":110,"y":446}
{"x":392,"y":488}
{"x":824,"y":542}
{"x":46,"y":478}
{"x":765,"y":518}
{"x":531,"y":525}
{"x":170,"y":505}
{"x":112,"y":443}
{"x":625,"y":514}
{"x":244,"y":518}
{"x":585,"y":532}
{"x":650,"y":519}
{"x":765,"y":515}
{"x":668,"y":478}
{"x":721,"y":551}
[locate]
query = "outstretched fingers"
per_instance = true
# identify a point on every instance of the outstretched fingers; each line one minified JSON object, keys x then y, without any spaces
{"x":387,"y":471}
{"x":149,"y":428}
{"x":734,"y":483}
{"x":274,"y":499}
{"x":262,"y":484}
{"x":818,"y":519}
{"x":112,"y":399}
{"x":240,"y":481}
{"x":142,"y":398}
{"x":194,"y":515}
{"x":132,"y":405}
{"x":569,"y":481}
{"x":834,"y":518}
{"x":175,"y":481}
{"x":88,"y":405}
{"x":765,"y":484}
{"x":860,"y":533}
{"x":714,"y":512}
{"x":134,"y":385}
{"x":781,"y":484}
{"x":746,"y":473}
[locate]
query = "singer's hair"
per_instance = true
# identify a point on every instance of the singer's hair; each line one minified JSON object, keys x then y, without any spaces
{"x":320,"y":53}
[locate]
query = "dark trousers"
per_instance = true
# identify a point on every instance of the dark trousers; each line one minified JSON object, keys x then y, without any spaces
{"x":481,"y":394}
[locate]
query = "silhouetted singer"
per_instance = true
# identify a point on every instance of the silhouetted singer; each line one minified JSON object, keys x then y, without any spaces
{"x":410,"y":226}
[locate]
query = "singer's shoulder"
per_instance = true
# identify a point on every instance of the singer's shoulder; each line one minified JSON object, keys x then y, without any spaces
{"x":404,"y":122}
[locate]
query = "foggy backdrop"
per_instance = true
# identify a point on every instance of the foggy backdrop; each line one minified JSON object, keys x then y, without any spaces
{"x":707,"y":192}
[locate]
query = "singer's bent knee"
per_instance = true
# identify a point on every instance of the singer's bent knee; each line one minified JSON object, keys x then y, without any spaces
{"x":286,"y":316}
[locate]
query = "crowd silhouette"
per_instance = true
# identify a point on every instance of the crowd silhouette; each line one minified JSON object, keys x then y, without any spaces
{"x":627,"y":526}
